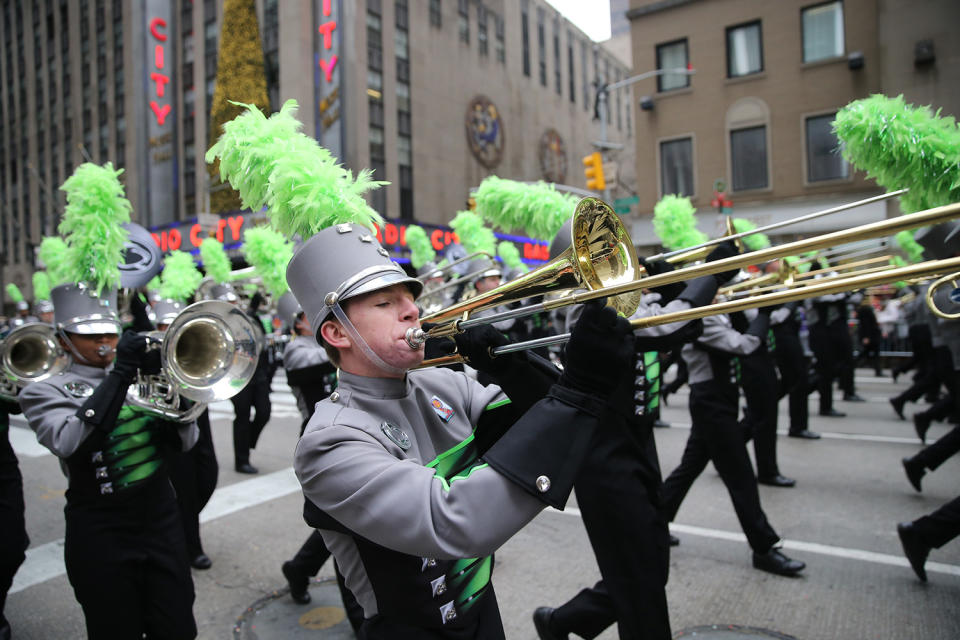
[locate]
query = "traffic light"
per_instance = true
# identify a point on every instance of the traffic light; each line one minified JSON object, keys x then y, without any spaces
{"x":593,"y":170}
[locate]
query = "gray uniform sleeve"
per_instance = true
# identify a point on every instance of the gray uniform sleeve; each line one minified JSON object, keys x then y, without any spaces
{"x":300,"y":356}
{"x":51,"y":415}
{"x":718,"y":334}
{"x":649,"y":308}
{"x":401,"y":504}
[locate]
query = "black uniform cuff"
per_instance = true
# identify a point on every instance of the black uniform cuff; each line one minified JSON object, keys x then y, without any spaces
{"x":102,"y":408}
{"x":700,"y":291}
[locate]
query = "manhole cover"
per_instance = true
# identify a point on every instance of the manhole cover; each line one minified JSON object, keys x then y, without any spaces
{"x":278,"y":616}
{"x":730,"y":632}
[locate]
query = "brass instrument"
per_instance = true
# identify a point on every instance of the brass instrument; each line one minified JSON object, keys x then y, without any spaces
{"x":29,"y":353}
{"x":209,"y":353}
{"x":952,"y":296}
{"x":443,"y":271}
{"x":699,"y":253}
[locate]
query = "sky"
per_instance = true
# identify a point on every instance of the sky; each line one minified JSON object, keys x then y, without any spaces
{"x":592,"y":16}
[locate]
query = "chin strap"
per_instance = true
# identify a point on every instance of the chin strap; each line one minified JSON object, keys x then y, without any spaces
{"x":73,"y":349}
{"x":377,"y":361}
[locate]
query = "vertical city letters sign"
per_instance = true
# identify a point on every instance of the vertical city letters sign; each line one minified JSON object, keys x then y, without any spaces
{"x":326,"y":72}
{"x":159,"y":74}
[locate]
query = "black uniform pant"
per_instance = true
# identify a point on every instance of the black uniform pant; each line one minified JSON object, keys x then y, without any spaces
{"x":833,"y":348}
{"x":940,"y":451}
{"x":246,"y":432}
{"x":761,"y":389}
{"x":715,"y":436}
{"x":194,"y":477}
{"x":941,"y":526}
{"x":308,"y":560}
{"x":793,"y":366}
{"x":127,"y":563}
{"x":950,"y":378}
{"x":488,"y":626}
{"x":13,"y":532}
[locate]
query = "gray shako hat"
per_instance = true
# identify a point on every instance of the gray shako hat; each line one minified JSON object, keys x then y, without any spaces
{"x":166,"y":310}
{"x":287,"y":309}
{"x":486,"y":267}
{"x":43,"y":306}
{"x":338,"y":263}
{"x":940,"y":241}
{"x":429,"y":270}
{"x":223,"y":292}
{"x":78,"y":309}
{"x":23,"y":305}
{"x":562,"y":239}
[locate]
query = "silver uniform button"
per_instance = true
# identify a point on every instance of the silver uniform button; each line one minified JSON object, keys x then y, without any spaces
{"x":450,"y":615}
{"x":89,"y":413}
{"x":334,"y":396}
{"x":543,"y":484}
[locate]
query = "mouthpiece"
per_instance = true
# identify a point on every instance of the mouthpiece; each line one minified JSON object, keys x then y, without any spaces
{"x":415,"y":338}
{"x":105,"y":350}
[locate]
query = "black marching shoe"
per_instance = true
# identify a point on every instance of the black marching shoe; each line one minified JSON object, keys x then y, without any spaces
{"x":913,"y":548}
{"x":897,"y":405}
{"x":246,"y":467}
{"x":852,"y":397}
{"x":833,"y":413}
{"x":915,"y":472}
{"x":541,"y":621}
{"x":674,"y":541}
{"x":777,"y":481}
{"x":201,"y":561}
{"x":773,"y":561}
{"x":660,"y":424}
{"x":805,"y":433}
{"x":921,"y":425}
{"x":298,"y":583}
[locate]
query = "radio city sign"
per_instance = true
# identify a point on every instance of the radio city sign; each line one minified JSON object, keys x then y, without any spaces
{"x":188,"y":234}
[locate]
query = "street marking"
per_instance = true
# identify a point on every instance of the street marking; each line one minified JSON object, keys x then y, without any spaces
{"x":45,"y":562}
{"x":797,"y":545}
{"x":831,"y":435}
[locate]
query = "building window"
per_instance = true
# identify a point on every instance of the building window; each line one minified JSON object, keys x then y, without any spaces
{"x":401,"y":14}
{"x":824,"y":161}
{"x":822,"y":31}
{"x":744,"y":50}
{"x":463,"y":8}
{"x":501,"y":43}
{"x":571,"y":82}
{"x":586,"y":76}
{"x":672,"y":55}
{"x":542,"y":47}
{"x":557,"y":67}
{"x":406,"y":192}
{"x":482,"y":29}
{"x":748,"y":156}
{"x":525,"y":37}
{"x":436,"y":18}
{"x":376,"y":113}
{"x":676,"y":167}
{"x":376,"y":144}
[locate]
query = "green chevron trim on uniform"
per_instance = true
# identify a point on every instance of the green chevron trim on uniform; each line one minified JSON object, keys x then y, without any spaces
{"x":138,"y":474}
{"x":139,"y":456}
{"x":651,"y":361}
{"x":131,"y":441}
{"x":463,"y":476}
{"x":471,"y":579}
{"x":455,"y":459}
{"x":497,"y":404}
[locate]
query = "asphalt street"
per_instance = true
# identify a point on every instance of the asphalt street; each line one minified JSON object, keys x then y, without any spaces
{"x":840,"y":519}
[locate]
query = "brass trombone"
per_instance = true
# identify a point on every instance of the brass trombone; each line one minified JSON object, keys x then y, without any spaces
{"x":934,"y":297}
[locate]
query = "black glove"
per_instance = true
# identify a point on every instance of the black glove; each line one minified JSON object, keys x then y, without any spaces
{"x":726,"y":249}
{"x":600,"y":350}
{"x":138,"y":309}
{"x":700,"y":291}
{"x":132,"y":355}
{"x":475,"y":344}
{"x":667,"y":291}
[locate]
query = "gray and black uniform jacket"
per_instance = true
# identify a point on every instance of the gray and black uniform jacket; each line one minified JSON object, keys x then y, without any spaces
{"x":713,"y":356}
{"x":415,"y":482}
{"x":310,"y":373}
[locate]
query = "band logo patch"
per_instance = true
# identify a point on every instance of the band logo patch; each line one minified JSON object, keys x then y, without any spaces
{"x":443,"y":410}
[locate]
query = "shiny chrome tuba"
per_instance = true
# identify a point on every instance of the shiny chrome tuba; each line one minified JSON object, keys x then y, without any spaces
{"x":29,"y":353}
{"x":209,"y":353}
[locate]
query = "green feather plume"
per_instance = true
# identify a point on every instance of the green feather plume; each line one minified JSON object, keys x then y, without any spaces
{"x":474,"y":236}
{"x":268,"y":252}
{"x":900,"y":145}
{"x":897,"y":261}
{"x":909,"y":246}
{"x":96,"y":207}
{"x":270,"y":163}
{"x":421,"y":249}
{"x":675,"y":224}
{"x":510,"y":255}
{"x":41,"y":285}
{"x":755,"y":241}
{"x":53,"y":255}
{"x":180,"y":277}
{"x":538,"y":209}
{"x":154,"y":284}
{"x":215,"y":260}
{"x":13,"y":292}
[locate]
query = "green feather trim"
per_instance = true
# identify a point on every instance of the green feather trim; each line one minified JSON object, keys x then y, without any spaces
{"x":215,"y":260}
{"x":53,"y":255}
{"x":539,"y":210}
{"x":154,"y":284}
{"x":268,"y":252}
{"x":13,"y":292}
{"x":41,"y":285}
{"x":96,"y":207}
{"x":900,"y":145}
{"x":675,"y":224}
{"x":909,"y":246}
{"x":421,"y":249}
{"x":510,"y":255}
{"x":180,"y":277}
{"x":270,"y":163}
{"x":755,"y":241}
{"x":897,"y":261}
{"x":474,"y":236}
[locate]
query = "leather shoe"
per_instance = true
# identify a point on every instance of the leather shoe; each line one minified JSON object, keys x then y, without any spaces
{"x":201,"y":561}
{"x":805,"y":433}
{"x":542,"y":617}
{"x":773,"y":561}
{"x":898,"y":407}
{"x":833,"y":413}
{"x":660,"y":424}
{"x":921,"y":424}
{"x":915,"y":472}
{"x":852,"y":397}
{"x":298,"y":583}
{"x":777,"y":481}
{"x":674,"y":541}
{"x":913,"y":548}
{"x":246,"y":467}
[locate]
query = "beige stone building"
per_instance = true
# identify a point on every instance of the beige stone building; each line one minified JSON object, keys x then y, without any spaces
{"x":755,"y":118}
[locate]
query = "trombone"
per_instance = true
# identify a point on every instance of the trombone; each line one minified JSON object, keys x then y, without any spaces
{"x":933,"y":296}
{"x":442,"y":271}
